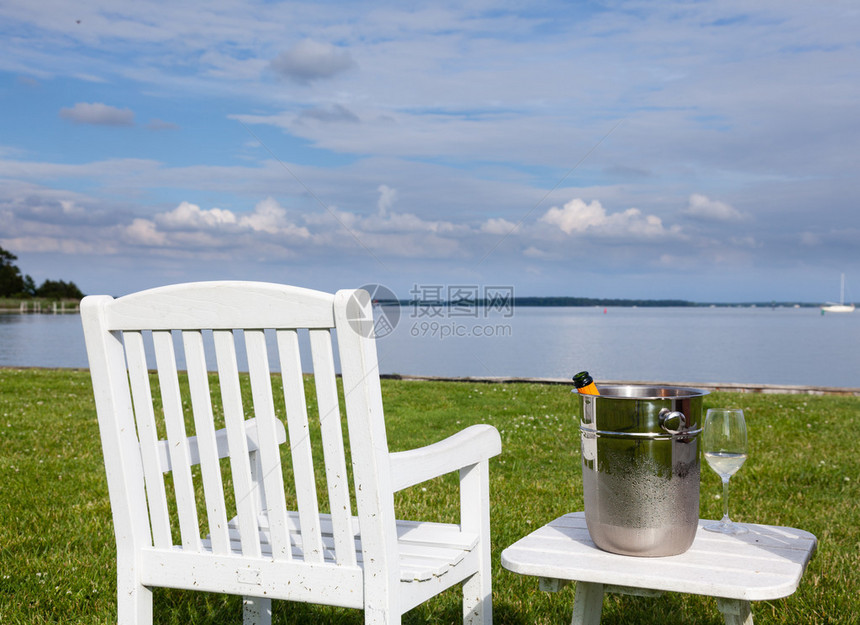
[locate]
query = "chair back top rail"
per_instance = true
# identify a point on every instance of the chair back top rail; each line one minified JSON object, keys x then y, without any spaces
{"x":221,"y":305}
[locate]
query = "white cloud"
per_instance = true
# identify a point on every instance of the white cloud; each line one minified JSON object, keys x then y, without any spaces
{"x":577,"y":217}
{"x":188,"y":226}
{"x":498,"y":225}
{"x":190,"y":216}
{"x":387,"y":195}
{"x":702,"y":207}
{"x":311,"y":60}
{"x":270,"y":217}
{"x":98,"y":114}
{"x":144,"y":232}
{"x":69,"y":207}
{"x":267,"y":217}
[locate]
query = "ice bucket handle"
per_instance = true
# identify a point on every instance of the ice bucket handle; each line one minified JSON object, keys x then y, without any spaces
{"x":673,"y":421}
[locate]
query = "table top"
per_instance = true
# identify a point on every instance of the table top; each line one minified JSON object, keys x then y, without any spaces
{"x":766,"y":563}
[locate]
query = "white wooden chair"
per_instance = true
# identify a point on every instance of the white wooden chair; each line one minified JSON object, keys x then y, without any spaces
{"x":176,"y":533}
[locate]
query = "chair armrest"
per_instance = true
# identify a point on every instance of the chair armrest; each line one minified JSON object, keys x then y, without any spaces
{"x":463,"y":449}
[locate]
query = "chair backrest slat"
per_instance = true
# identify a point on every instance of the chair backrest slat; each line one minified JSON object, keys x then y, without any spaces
{"x":300,"y":444}
{"x":367,"y":436}
{"x":174,"y":418}
{"x":147,"y":433}
{"x":244,"y":491}
{"x":207,"y":446}
{"x":270,"y":459}
{"x":337,"y":478}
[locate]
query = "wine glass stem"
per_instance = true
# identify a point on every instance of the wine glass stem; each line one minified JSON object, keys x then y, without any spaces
{"x":726,"y":501}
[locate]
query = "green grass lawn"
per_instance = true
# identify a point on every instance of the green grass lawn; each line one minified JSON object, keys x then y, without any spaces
{"x":57,"y":545}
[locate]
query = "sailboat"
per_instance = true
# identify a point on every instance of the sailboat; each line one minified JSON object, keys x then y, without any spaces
{"x":841,"y":307}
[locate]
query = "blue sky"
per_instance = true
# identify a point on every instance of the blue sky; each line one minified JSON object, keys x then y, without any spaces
{"x":696,"y":150}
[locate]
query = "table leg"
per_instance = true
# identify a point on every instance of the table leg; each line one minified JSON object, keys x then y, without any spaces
{"x":735,"y":611}
{"x":587,"y":604}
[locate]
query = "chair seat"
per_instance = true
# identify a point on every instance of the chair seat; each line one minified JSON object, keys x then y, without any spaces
{"x":427,"y":549}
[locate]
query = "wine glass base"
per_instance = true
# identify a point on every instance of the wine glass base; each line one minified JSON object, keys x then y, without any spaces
{"x":732,"y":529}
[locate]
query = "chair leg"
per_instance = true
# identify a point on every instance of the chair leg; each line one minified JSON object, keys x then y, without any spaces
{"x":134,"y":602}
{"x":475,"y":516}
{"x":477,"y":602}
{"x":375,"y":616}
{"x":256,"y":611}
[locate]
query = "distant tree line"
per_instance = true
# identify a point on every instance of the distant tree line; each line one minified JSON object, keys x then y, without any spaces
{"x":15,"y":284}
{"x":560,"y":300}
{"x":590,"y":301}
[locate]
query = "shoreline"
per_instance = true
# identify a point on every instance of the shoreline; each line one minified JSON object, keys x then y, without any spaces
{"x":728,"y":387}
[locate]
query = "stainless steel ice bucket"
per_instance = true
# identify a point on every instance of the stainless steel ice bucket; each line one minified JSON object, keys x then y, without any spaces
{"x":640,"y":468}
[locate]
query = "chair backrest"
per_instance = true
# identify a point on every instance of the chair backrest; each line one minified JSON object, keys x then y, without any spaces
{"x":202,"y":322}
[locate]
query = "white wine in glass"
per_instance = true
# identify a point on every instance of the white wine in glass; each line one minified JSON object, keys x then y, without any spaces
{"x":724,"y":442}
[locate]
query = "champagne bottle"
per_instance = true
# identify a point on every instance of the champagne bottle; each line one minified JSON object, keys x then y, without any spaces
{"x":584,"y":384}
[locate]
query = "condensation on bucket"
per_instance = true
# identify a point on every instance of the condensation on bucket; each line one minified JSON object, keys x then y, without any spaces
{"x":642,"y":497}
{"x":642,"y":510}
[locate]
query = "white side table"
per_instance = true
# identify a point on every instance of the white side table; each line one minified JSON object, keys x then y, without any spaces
{"x":766,"y":563}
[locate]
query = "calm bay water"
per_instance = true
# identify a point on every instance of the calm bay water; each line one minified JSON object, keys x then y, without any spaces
{"x":744,"y":345}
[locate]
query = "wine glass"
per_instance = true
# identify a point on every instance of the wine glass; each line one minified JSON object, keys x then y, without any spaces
{"x":724,"y":441}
